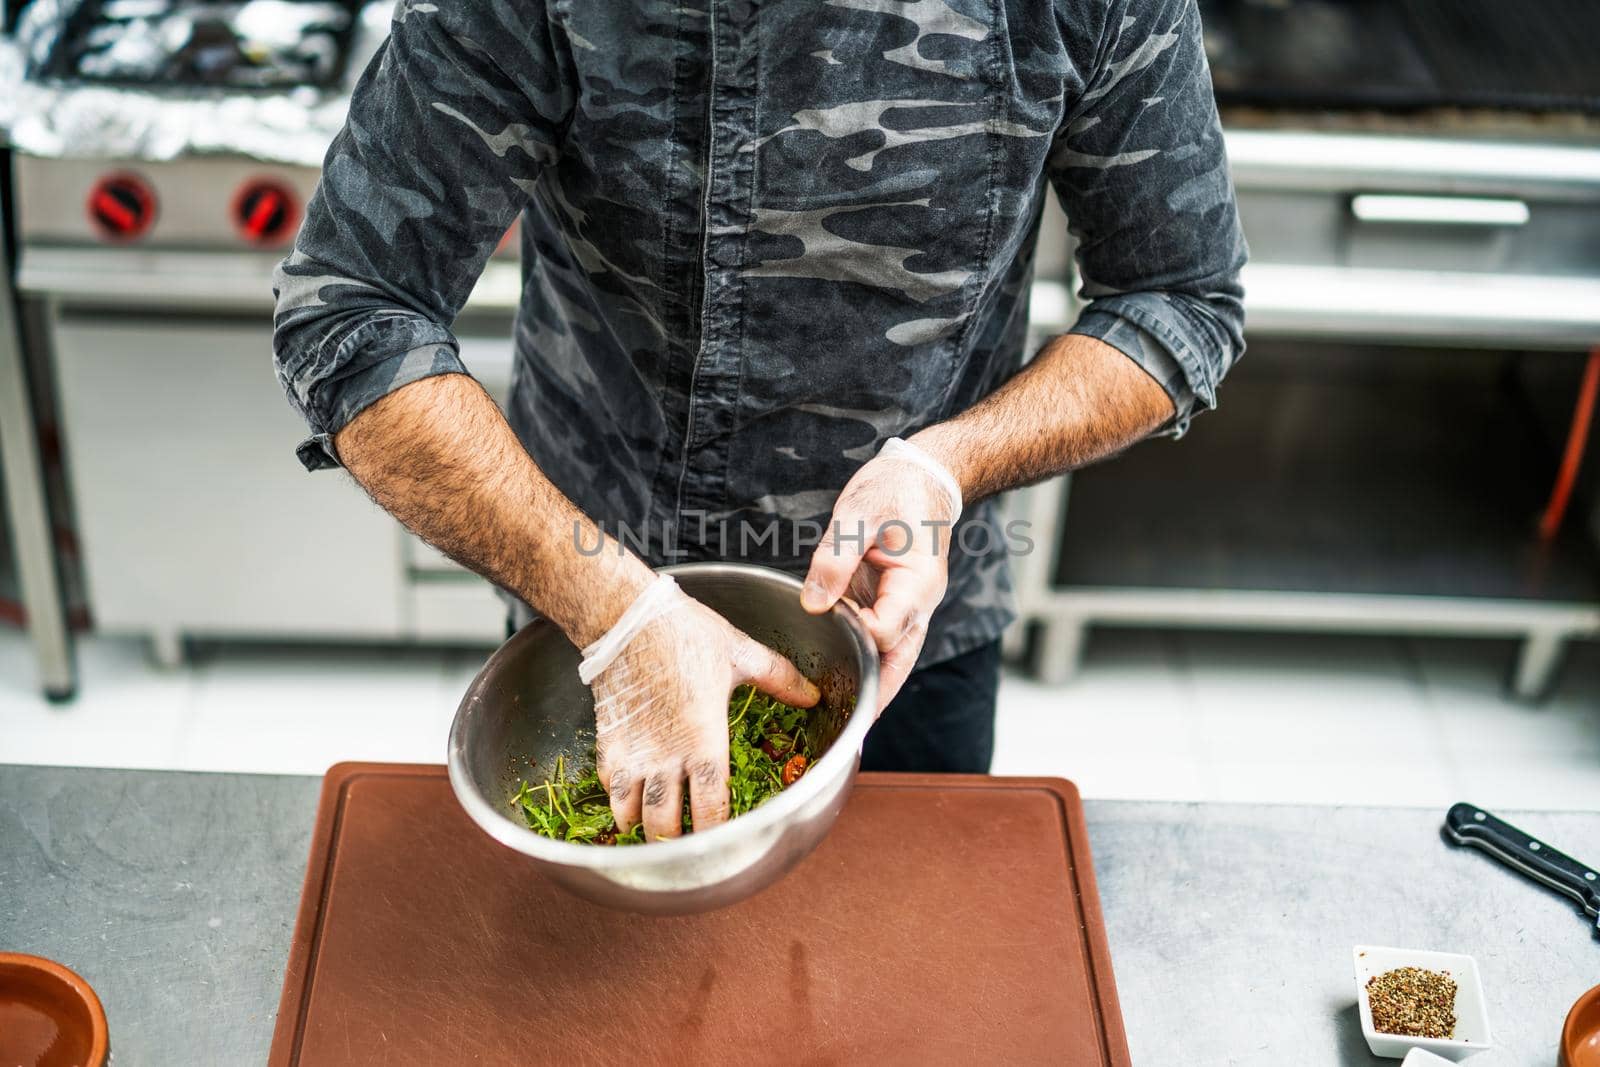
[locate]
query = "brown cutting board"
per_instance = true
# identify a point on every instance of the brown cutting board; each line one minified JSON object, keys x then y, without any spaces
{"x":945,"y":919}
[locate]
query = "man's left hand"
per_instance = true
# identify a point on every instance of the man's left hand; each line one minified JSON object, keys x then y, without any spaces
{"x":887,"y":547}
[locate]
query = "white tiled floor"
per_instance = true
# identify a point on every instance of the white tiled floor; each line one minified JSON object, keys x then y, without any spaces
{"x":1183,"y":716}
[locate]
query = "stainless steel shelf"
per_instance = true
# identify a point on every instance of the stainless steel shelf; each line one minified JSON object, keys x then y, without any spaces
{"x":1418,"y":307}
{"x":1320,"y":158}
{"x":1363,"y":491}
{"x":1423,"y":306}
{"x":198,"y":280}
{"x":1381,"y":479}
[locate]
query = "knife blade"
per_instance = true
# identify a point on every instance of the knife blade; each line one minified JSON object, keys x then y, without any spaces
{"x":1470,"y":825}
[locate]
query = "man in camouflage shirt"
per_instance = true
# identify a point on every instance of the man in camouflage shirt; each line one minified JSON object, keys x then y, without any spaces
{"x":760,"y":239}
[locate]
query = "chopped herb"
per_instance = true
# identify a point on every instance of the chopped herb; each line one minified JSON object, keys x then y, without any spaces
{"x":1413,"y":1002}
{"x":769,"y":748}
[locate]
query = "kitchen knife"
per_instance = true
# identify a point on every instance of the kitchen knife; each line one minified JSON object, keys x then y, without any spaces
{"x":1467,"y":824}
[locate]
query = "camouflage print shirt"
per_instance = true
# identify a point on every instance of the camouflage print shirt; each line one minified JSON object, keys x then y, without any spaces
{"x":760,"y":237}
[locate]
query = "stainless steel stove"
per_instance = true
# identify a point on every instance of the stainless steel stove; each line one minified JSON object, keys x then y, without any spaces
{"x":194,"y":230}
{"x":153,"y":282}
{"x":238,"y":45}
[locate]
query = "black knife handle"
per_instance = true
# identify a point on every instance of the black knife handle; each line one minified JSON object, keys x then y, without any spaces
{"x":1466,"y":824}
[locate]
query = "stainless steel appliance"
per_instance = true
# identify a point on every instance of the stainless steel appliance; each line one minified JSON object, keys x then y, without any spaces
{"x":1396,"y":191}
{"x":232,"y":44}
{"x":194,"y":516}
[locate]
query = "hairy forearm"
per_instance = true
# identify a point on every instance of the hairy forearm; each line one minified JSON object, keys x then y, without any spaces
{"x":1078,"y":401}
{"x":438,"y":455}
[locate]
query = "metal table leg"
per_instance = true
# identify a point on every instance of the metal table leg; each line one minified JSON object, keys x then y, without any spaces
{"x":1059,"y":644}
{"x":28,"y":509}
{"x":1537,"y":662}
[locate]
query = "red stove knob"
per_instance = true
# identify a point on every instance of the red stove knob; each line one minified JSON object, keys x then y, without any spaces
{"x":122,"y":207}
{"x":265,"y":212}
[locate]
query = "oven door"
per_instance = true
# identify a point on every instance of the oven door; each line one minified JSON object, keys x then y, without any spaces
{"x":194,"y":515}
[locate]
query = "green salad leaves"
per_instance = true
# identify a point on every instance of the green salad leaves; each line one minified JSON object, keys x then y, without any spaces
{"x":769,"y":746}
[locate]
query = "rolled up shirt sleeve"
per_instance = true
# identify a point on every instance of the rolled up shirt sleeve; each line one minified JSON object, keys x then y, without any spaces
{"x":1141,"y":170}
{"x":439,"y":153}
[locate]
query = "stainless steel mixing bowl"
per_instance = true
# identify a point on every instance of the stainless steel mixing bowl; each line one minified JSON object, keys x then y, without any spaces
{"x":526,"y":707}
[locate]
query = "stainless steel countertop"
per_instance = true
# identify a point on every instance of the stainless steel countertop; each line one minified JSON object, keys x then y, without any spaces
{"x":1230,"y":925}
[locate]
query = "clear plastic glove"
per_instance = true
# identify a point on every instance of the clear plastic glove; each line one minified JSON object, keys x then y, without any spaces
{"x":661,"y":677}
{"x":888,"y":548}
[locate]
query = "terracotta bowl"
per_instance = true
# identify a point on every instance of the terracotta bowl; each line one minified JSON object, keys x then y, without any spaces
{"x":1580,"y":1038}
{"x":49,"y":1017}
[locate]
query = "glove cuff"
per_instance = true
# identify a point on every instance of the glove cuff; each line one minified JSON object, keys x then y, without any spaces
{"x":899,"y":448}
{"x":657,"y":598}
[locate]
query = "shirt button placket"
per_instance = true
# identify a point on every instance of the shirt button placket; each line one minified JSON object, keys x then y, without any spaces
{"x":714,"y":403}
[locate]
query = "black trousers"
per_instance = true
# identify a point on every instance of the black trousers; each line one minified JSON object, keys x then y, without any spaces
{"x":942,"y":720}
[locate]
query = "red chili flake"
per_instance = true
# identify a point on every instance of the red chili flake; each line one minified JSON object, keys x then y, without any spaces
{"x":793,"y":770}
{"x":606,"y":837}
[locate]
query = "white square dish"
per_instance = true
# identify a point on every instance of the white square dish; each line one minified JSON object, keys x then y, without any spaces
{"x":1421,"y":1057}
{"x":1472,"y":1034}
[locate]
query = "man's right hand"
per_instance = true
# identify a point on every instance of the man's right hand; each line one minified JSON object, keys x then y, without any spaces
{"x":662,"y":676}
